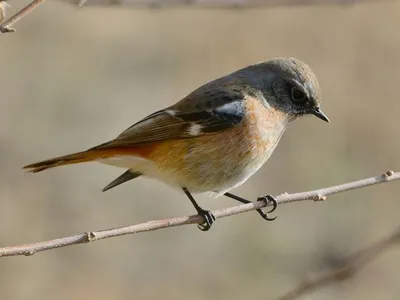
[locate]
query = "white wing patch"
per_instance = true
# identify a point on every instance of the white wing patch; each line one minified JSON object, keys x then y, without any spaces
{"x":195,"y":129}
{"x":171,"y":112}
{"x":225,"y":107}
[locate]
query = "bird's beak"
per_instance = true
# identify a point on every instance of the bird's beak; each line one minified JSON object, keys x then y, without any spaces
{"x":318,"y":113}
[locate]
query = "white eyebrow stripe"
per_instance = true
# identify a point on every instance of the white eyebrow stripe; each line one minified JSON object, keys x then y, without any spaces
{"x":195,"y":129}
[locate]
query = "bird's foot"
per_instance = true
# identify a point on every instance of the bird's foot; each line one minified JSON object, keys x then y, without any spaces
{"x":208,"y":217}
{"x":267,"y":200}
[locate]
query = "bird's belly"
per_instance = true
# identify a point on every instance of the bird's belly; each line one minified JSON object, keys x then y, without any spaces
{"x":209,"y":163}
{"x":226,"y":168}
{"x":200,"y":167}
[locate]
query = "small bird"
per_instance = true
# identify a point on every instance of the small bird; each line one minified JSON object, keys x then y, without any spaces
{"x":216,"y":137}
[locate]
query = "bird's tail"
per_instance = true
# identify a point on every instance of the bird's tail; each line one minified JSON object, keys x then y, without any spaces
{"x":69,"y":159}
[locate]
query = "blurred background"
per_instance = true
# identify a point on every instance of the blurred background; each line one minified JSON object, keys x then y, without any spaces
{"x":73,"y":78}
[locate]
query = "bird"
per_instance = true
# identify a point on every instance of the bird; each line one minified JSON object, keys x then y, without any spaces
{"x":216,"y":137}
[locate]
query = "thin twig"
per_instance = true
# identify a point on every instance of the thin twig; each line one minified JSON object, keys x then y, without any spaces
{"x":317,"y":195}
{"x":352,"y":265}
{"x":223,"y":4}
{"x":3,"y":7}
{"x":6,"y":26}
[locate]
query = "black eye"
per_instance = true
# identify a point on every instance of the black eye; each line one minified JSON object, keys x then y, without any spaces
{"x":298,"y":95}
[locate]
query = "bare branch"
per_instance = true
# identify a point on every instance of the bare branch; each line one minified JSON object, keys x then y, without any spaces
{"x":352,"y":265}
{"x":218,"y":3}
{"x":317,"y":195}
{"x":6,"y":26}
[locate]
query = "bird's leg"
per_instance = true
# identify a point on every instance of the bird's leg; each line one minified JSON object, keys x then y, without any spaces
{"x":206,"y":214}
{"x":266,"y":199}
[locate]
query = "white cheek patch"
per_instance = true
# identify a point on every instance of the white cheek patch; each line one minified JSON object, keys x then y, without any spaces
{"x":195,"y":129}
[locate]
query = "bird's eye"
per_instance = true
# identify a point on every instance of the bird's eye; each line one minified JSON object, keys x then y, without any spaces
{"x":298,"y":95}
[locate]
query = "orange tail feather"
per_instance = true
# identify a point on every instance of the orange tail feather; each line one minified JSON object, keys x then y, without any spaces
{"x":105,"y":150}
{"x":69,"y":159}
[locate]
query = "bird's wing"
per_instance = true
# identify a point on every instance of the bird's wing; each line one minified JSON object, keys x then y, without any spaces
{"x":198,"y":114}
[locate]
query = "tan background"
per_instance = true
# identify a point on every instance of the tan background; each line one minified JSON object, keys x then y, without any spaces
{"x":70,"y":79}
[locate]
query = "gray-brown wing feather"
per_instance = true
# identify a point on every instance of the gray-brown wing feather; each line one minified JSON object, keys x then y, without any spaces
{"x":211,"y":112}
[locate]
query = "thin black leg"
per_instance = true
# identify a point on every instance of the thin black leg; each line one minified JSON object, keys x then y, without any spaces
{"x":207,"y":215}
{"x":267,"y":199}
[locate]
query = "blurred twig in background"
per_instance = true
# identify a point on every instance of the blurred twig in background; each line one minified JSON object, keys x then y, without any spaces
{"x":351,"y":266}
{"x":218,"y":3}
{"x":316,"y":195}
{"x":3,"y":6}
{"x":6,"y":26}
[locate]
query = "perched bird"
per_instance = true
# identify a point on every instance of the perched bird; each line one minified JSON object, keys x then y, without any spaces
{"x":216,"y":137}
